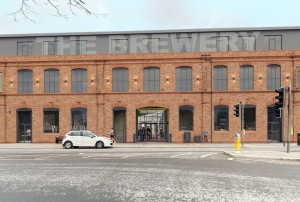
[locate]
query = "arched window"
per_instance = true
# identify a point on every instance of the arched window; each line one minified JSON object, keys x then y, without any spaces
{"x":186,"y":117}
{"x":220,"y":78}
{"x":221,"y":117}
{"x":151,"y":79}
{"x":25,"y":81}
{"x":273,"y":77}
{"x":120,"y":80}
{"x":79,"y":80}
{"x":183,"y":79}
{"x":246,"y":77}
{"x":51,"y":81}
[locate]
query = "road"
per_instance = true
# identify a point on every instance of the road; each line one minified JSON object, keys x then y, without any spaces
{"x":143,"y":174}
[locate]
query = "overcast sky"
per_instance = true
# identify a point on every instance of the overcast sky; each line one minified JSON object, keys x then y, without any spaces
{"x":133,"y":15}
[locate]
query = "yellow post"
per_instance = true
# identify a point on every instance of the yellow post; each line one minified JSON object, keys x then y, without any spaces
{"x":237,"y":142}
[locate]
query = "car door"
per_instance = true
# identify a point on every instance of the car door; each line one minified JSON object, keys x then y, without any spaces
{"x":75,"y":138}
{"x":88,"y":139}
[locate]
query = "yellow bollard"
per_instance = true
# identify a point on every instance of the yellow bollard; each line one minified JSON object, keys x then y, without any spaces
{"x":237,"y":142}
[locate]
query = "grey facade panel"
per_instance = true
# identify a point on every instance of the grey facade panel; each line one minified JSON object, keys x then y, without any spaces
{"x":161,"y":41}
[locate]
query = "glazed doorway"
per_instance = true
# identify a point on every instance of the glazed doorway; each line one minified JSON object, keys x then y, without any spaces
{"x":120,"y":124}
{"x":24,"y":122}
{"x":274,"y":126}
{"x":153,"y":120}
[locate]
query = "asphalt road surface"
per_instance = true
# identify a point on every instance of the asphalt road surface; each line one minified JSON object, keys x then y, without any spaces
{"x":143,"y":174}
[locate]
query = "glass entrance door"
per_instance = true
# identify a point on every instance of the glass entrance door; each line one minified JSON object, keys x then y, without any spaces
{"x":154,"y":122}
{"x":24,"y":128}
{"x":120,"y":124}
{"x":274,"y":126}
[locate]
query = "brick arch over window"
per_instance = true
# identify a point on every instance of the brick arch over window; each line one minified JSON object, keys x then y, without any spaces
{"x":79,"y":80}
{"x":120,"y":79}
{"x":184,"y":78}
{"x":221,"y":117}
{"x":151,"y":79}
{"x":25,"y":81}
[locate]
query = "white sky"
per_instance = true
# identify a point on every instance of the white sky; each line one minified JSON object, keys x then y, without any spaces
{"x":134,"y":15}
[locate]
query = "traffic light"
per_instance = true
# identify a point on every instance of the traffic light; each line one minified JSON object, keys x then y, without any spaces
{"x":280,"y":103}
{"x":237,"y":110}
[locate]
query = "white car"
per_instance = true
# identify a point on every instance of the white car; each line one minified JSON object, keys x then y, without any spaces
{"x":85,"y":138}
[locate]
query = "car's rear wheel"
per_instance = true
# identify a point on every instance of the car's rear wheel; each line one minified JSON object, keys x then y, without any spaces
{"x":68,"y":145}
{"x":99,"y":145}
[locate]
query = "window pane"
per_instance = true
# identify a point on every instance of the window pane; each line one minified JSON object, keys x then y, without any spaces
{"x":79,"y":80}
{"x":25,"y":81}
{"x":51,"y":120}
{"x":246,"y":78}
{"x":250,"y":117}
{"x":221,"y":118}
{"x":79,"y":118}
{"x":151,"y":79}
{"x":186,"y":118}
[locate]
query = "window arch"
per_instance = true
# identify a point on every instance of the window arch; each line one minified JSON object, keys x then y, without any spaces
{"x":221,"y":119}
{"x":220,"y":78}
{"x":120,"y":79}
{"x":79,"y":80}
{"x":51,"y":81}
{"x":246,"y":77}
{"x":184,"y":78}
{"x":25,"y":81}
{"x":151,"y":79}
{"x":186,"y":117}
{"x":273,"y":77}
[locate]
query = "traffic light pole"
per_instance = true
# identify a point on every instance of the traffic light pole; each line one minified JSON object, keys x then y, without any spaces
{"x":242,"y":123}
{"x":289,"y":115}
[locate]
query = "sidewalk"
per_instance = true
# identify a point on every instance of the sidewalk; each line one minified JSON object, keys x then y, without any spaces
{"x":249,"y":150}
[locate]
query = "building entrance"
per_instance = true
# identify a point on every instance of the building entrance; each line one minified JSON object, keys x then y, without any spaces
{"x":154,"y":123}
{"x":120,"y":124}
{"x":274,"y":126}
{"x":24,"y":125}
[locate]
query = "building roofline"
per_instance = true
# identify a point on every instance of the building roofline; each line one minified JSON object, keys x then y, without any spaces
{"x":151,"y":31}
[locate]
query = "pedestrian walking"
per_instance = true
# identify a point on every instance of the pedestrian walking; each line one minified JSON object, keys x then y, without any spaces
{"x":205,"y":135}
{"x":112,"y":135}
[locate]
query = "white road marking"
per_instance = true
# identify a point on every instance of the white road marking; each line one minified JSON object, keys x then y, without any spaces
{"x":92,"y":156}
{"x":230,"y":159}
{"x":206,"y":155}
{"x":123,"y":157}
{"x":180,"y":155}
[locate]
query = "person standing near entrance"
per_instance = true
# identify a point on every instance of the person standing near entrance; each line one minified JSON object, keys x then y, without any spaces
{"x":141,"y":134}
{"x":28,"y":134}
{"x":148,"y":135}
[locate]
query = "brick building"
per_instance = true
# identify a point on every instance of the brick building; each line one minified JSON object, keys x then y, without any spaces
{"x":177,"y":82}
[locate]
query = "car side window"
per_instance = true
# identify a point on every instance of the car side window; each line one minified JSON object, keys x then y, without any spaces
{"x":75,"y":133}
{"x":87,"y":134}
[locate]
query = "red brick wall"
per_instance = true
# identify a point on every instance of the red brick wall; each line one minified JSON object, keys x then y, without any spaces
{"x":99,"y":100}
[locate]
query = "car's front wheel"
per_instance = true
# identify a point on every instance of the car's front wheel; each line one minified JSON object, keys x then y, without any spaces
{"x":68,"y":145}
{"x":99,"y":145}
